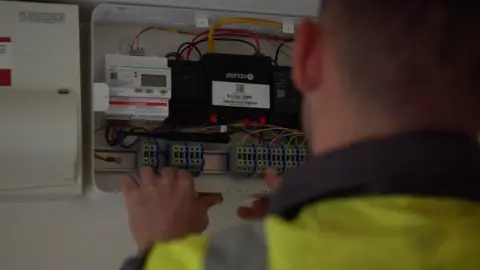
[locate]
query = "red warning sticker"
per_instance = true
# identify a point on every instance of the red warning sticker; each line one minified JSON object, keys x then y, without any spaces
{"x":5,"y":61}
{"x":133,"y":103}
{"x":139,"y":108}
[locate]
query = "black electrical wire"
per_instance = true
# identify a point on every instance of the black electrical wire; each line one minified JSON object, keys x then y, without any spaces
{"x":184,"y":137}
{"x":111,"y":136}
{"x":279,"y":48}
{"x":159,"y":128}
{"x":115,"y":136}
{"x":174,"y":54}
{"x":125,"y":135}
{"x":181,"y":50}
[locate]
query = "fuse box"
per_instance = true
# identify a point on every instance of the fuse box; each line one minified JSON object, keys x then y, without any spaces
{"x":41,"y":146}
{"x":210,"y":103}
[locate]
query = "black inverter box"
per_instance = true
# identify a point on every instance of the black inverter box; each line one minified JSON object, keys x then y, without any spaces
{"x":239,"y":87}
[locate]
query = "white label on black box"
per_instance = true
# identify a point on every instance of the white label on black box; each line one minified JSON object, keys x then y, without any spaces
{"x":241,"y":95}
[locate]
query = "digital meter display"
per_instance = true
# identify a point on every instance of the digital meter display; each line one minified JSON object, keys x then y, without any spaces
{"x":154,"y":80}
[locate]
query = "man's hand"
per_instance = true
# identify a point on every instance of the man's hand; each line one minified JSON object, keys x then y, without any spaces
{"x":259,"y":208}
{"x":166,"y":207}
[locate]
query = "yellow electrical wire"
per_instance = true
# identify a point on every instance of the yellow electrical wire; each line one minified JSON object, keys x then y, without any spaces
{"x":304,"y":141}
{"x":217,"y":24}
{"x":293,"y":139}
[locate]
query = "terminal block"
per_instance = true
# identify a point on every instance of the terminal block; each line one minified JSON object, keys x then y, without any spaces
{"x":158,"y":153}
{"x":151,"y":154}
{"x":254,"y":159}
{"x":187,"y":156}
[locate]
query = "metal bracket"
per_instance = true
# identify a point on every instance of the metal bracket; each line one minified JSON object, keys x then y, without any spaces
{"x":201,"y":21}
{"x":288,"y":26}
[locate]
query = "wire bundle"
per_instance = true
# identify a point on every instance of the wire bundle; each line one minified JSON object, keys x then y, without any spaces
{"x":118,"y":136}
{"x":278,"y":134}
{"x":217,"y":24}
{"x":127,"y":137}
{"x":186,"y":49}
{"x":187,"y":46}
{"x":262,"y":133}
{"x":224,"y":33}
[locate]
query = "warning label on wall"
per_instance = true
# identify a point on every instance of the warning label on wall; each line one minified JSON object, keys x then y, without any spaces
{"x":5,"y":61}
{"x":42,"y":17}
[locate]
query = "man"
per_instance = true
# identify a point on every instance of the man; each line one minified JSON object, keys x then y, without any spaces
{"x":391,"y":108}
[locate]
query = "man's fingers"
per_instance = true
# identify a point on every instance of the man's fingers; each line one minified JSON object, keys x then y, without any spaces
{"x":184,"y":176}
{"x":128,"y":185}
{"x":185,"y":179}
{"x":168,"y":174}
{"x":261,"y":204}
{"x":258,"y":210}
{"x":272,"y":178}
{"x":248,"y":213}
{"x":205,"y":201}
{"x":147,"y":176}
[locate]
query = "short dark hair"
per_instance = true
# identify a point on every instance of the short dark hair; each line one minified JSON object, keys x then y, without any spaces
{"x":395,"y":47}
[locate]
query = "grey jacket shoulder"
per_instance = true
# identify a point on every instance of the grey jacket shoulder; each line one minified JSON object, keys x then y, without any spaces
{"x":238,"y":248}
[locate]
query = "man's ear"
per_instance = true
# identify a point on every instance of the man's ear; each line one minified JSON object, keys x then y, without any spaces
{"x":307,"y":62}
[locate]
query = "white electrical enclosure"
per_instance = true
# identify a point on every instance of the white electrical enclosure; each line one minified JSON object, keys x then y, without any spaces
{"x":40,"y":101}
{"x":113,"y":30}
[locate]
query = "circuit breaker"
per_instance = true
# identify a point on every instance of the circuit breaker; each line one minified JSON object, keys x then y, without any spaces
{"x":40,"y":101}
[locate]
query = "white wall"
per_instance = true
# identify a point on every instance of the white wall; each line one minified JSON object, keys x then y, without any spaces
{"x":291,"y":7}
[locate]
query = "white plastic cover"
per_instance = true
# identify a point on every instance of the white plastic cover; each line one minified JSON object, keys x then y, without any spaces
{"x":39,"y":138}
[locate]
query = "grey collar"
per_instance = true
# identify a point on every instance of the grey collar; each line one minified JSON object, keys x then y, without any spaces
{"x":421,"y":163}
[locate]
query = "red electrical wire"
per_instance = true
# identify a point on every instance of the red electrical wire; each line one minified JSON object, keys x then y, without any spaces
{"x":146,"y":29}
{"x":137,"y":36}
{"x":226,"y":32}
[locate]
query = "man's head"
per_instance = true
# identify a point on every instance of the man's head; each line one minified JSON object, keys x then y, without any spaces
{"x":378,"y":67}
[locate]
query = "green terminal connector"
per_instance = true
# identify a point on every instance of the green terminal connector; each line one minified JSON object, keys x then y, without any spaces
{"x":254,"y":159}
{"x":189,"y":156}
